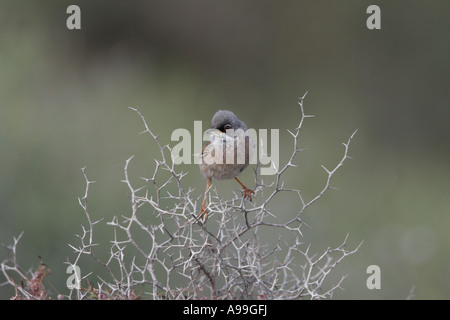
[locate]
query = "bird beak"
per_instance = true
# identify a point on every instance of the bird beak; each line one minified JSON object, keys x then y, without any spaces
{"x":213,"y":134}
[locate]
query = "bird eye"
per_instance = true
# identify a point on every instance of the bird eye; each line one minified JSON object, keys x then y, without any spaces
{"x":227,"y":126}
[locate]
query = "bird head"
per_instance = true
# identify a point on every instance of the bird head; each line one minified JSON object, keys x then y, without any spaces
{"x":225,"y":125}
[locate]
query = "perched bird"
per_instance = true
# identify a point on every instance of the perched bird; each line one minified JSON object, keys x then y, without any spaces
{"x":226,"y":154}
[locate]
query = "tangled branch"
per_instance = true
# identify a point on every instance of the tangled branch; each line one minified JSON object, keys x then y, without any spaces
{"x":177,"y":256}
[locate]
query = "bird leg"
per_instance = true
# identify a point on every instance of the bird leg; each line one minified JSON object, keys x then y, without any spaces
{"x":203,"y":211}
{"x":247,"y":192}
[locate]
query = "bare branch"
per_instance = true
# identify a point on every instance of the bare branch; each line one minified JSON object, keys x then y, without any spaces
{"x":176,"y":256}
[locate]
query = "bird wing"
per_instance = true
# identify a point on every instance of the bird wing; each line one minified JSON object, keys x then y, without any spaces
{"x":205,"y":150}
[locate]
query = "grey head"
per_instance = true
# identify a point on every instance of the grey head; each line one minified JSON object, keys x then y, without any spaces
{"x":224,"y":119}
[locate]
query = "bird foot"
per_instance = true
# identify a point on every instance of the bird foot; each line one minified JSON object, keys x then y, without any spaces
{"x":203,"y":215}
{"x":248,"y":193}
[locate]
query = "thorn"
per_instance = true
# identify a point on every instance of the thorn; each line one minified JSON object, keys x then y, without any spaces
{"x":292,"y":134}
{"x":302,"y":98}
{"x":325,"y":168}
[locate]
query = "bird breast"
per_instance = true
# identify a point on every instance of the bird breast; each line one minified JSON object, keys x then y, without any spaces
{"x":225,"y":156}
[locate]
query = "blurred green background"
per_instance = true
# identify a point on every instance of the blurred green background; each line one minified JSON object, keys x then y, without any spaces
{"x":64,"y":96}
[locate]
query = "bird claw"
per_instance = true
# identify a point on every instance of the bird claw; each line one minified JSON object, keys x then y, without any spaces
{"x":203,"y":215}
{"x":248,"y":193}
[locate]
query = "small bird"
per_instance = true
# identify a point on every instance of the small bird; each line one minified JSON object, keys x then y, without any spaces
{"x":226,"y":154}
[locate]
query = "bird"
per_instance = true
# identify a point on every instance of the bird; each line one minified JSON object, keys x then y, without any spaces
{"x":226,"y":154}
